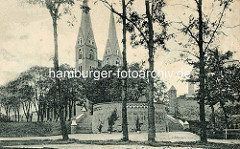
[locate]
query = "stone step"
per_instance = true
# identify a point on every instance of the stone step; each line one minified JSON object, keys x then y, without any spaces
{"x":84,"y":124}
{"x":84,"y":130}
{"x":84,"y":127}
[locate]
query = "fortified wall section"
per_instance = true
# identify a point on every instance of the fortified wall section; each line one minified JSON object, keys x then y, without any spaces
{"x":102,"y":111}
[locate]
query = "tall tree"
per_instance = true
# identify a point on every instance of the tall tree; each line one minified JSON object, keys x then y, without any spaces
{"x":124,"y":81}
{"x":124,"y":68}
{"x":151,"y":110}
{"x":149,"y":39}
{"x":53,"y":7}
{"x":220,"y":68}
{"x":202,"y":33}
{"x":202,"y":74}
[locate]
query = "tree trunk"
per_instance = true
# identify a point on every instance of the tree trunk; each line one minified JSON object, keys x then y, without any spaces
{"x":74,"y":109}
{"x":52,"y":114}
{"x":55,"y":109}
{"x":26,"y":109}
{"x":7,"y":111}
{"x":48,"y":113}
{"x":58,"y":95}
{"x":225,"y":113}
{"x":15,"y":114}
{"x":203,"y":135}
{"x":124,"y":80}
{"x":213,"y":116}
{"x":70,"y":105}
{"x":39,"y":112}
{"x":151,"y":117}
{"x":18,"y":114}
{"x":66,"y":110}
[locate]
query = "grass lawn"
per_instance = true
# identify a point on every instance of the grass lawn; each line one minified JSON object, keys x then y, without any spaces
{"x":27,"y":129}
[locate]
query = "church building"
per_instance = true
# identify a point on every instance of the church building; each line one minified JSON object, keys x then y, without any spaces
{"x":86,"y":47}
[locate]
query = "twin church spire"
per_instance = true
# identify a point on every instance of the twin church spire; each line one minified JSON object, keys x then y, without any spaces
{"x":112,"y":54}
{"x":86,"y":49}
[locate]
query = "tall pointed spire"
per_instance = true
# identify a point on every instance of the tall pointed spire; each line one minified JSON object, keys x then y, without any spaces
{"x":86,"y":24}
{"x":112,"y":54}
{"x":112,"y":34}
{"x":86,"y":49}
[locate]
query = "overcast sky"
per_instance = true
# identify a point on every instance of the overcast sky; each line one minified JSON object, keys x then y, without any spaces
{"x":26,"y":37}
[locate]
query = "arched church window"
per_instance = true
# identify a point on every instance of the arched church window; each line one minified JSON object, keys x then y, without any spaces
{"x":107,"y":62}
{"x":80,"y":41}
{"x":117,"y":62}
{"x":80,"y":54}
{"x":91,"y":54}
{"x":108,"y":51}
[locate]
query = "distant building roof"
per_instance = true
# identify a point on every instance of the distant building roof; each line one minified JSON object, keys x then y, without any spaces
{"x":172,"y":88}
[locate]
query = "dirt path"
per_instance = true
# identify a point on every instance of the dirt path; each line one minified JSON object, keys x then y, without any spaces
{"x":171,"y":137}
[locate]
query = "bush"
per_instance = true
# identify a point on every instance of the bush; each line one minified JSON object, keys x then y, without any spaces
{"x":195,"y":127}
{"x":25,"y":129}
{"x":112,"y":119}
{"x":138,"y":124}
{"x":4,"y":118}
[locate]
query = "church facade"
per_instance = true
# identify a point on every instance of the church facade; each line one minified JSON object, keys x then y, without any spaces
{"x":86,"y":47}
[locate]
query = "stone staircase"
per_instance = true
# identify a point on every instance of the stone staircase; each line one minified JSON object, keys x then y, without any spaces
{"x":84,"y":124}
{"x":174,"y":124}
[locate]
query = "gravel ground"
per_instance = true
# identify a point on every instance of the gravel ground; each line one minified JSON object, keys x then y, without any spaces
{"x":86,"y":146}
{"x":170,"y":137}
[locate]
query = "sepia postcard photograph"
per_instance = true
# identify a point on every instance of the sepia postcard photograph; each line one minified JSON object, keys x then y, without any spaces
{"x":120,"y":74}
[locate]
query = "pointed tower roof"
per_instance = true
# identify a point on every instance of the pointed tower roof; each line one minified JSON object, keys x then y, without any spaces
{"x":112,"y":50}
{"x":112,"y":34}
{"x":85,"y":30}
{"x":172,"y":88}
{"x":86,"y":48}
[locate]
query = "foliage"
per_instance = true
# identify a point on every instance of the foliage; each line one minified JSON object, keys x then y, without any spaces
{"x":222,"y":74}
{"x":177,"y":113}
{"x":34,"y":90}
{"x":138,"y":124}
{"x":109,"y":89}
{"x":100,"y":126}
{"x":221,"y":86}
{"x":104,"y":89}
{"x":201,"y":33}
{"x":4,"y":118}
{"x":151,"y":32}
{"x":112,"y":119}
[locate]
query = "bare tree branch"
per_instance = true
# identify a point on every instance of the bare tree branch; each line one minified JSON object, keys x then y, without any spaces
{"x":129,"y":2}
{"x":196,"y":2}
{"x":190,"y":32}
{"x":232,"y":26}
{"x":219,"y":22}
{"x":110,"y":7}
{"x":188,"y":52}
{"x":186,"y":6}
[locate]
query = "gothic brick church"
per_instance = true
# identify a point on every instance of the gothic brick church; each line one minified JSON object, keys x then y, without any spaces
{"x":86,"y":48}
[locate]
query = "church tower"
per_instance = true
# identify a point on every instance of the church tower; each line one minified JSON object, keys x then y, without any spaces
{"x":172,"y":94}
{"x":191,"y":91}
{"x":112,"y":54}
{"x":86,"y":49}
